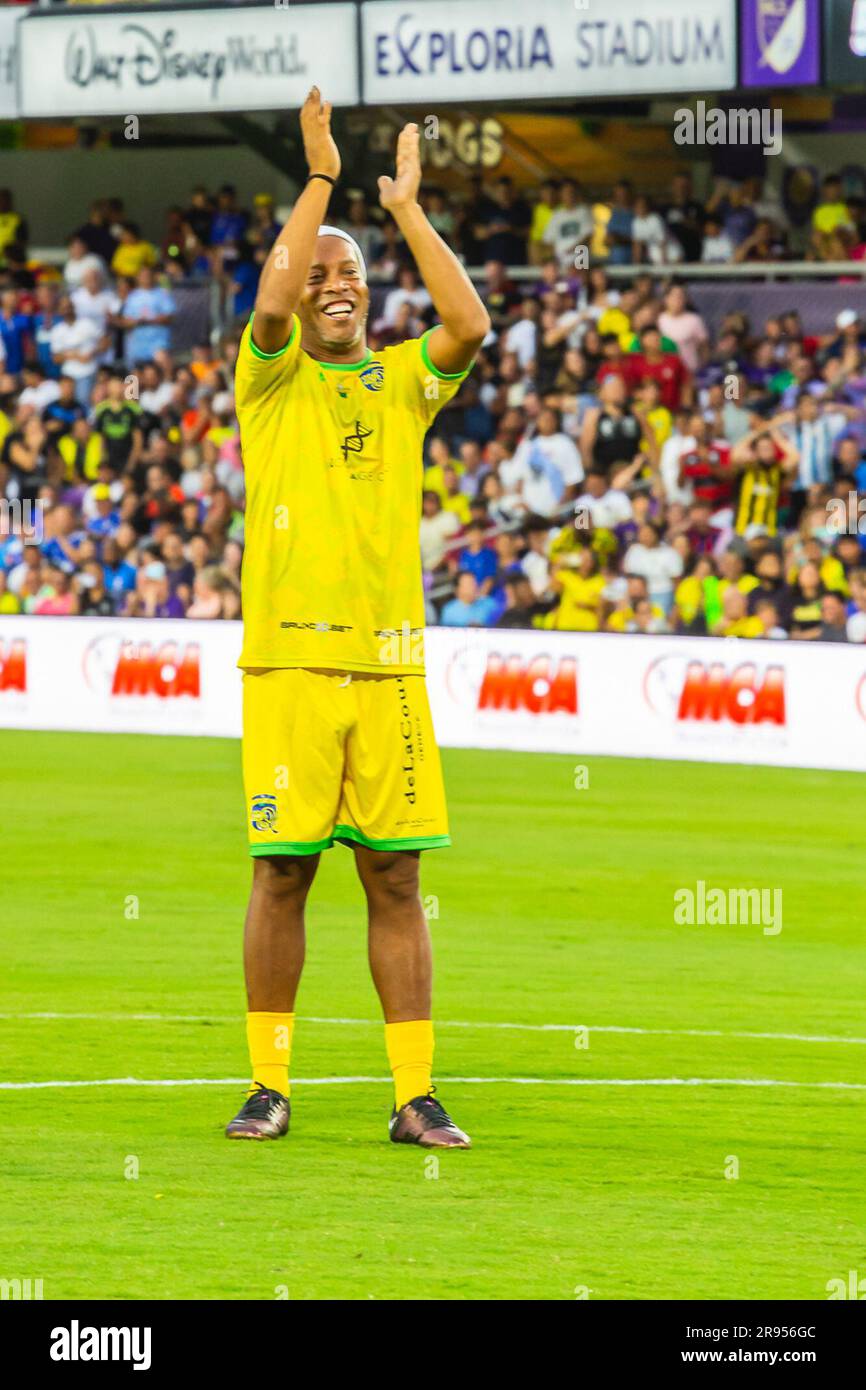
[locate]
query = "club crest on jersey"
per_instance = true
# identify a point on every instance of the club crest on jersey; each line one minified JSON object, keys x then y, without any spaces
{"x":373,"y":377}
{"x":263,"y":814}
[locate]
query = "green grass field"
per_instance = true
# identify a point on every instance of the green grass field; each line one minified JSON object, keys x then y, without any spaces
{"x":555,"y":907}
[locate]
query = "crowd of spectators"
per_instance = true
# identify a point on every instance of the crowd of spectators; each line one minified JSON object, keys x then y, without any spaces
{"x":609,"y":465}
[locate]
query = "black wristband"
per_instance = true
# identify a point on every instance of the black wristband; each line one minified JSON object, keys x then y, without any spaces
{"x":326,"y":177}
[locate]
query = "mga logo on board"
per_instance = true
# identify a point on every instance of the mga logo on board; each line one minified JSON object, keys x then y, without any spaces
{"x":13,"y":665}
{"x":696,"y":692}
{"x":541,"y":685}
{"x":136,"y":669}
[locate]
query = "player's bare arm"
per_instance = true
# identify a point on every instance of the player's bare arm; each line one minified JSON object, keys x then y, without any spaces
{"x":465,"y":321}
{"x":287,"y":268}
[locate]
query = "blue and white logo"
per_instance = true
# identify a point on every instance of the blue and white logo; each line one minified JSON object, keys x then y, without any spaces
{"x":373,"y":377}
{"x":263,"y":814}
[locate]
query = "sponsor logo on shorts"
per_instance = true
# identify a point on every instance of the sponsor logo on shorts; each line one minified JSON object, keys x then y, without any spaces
{"x":263,"y":813}
{"x":409,"y":749}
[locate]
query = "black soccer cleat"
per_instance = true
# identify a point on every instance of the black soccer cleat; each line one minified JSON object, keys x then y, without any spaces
{"x":424,"y":1121}
{"x":264,"y":1115}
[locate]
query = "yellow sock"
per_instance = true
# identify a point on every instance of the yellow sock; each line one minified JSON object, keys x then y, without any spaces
{"x":270,"y":1042}
{"x":410,"y":1054}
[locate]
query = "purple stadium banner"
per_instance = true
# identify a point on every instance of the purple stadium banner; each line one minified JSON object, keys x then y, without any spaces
{"x":780,"y":43}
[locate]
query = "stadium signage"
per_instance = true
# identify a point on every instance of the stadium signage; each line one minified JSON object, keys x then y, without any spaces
{"x":539,"y":686}
{"x":775,"y":703}
{"x":13,"y":665}
{"x":9,"y":18}
{"x":740,"y":695}
{"x":496,"y":50}
{"x":253,"y":58}
{"x":844,"y":41}
{"x":151,"y":56}
{"x":685,"y":690}
{"x":780,"y":43}
{"x":165,"y":669}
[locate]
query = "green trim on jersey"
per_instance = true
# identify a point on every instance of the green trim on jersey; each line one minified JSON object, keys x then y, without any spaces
{"x":269,"y":356}
{"x":443,"y":376}
{"x":346,"y":366}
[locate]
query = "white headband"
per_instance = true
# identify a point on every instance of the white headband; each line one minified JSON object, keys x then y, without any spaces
{"x":350,"y":241}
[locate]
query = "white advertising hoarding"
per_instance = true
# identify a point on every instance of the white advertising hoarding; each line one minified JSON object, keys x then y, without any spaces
{"x":146,"y":62}
{"x":499,"y":50}
{"x":701,"y":699}
{"x":9,"y":19}
{"x":113,"y":676}
{"x":789,"y":704}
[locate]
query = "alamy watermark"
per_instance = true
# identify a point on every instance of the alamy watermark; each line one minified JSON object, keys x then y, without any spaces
{"x":77,"y":1343}
{"x":853,"y":1287}
{"x":738,"y":126}
{"x":729,"y":907}
{"x":20,"y":1289}
{"x":847,"y":517}
{"x":403,"y":646}
{"x":24,"y":519}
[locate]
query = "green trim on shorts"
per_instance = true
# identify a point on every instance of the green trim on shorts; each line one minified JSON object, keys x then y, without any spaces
{"x":347,"y":833}
{"x":270,"y":356}
{"x":443,"y":376}
{"x":291,"y":847}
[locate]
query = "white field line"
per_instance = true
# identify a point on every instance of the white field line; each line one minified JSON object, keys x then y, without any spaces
{"x":452,"y":1023}
{"x":451,"y":1081}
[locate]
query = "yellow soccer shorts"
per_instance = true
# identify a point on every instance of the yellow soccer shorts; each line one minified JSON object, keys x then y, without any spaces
{"x":342,"y":756}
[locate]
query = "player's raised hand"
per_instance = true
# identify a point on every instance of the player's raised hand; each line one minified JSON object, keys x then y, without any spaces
{"x":399,"y":192}
{"x":322,"y":154}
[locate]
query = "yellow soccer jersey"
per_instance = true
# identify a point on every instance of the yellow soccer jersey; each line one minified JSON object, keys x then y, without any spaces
{"x":332,"y":457}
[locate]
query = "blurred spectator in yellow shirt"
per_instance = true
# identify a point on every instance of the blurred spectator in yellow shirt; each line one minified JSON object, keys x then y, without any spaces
{"x":9,"y":602}
{"x":831,"y":213}
{"x":12,"y":225}
{"x":440,"y":459}
{"x":541,"y":214}
{"x":626,"y":614}
{"x":732,"y":574}
{"x":656,"y":415}
{"x":453,"y":500}
{"x":580,"y":593}
{"x":735,"y":621}
{"x":133,"y":252}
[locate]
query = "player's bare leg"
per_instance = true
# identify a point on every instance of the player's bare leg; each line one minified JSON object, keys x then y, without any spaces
{"x":402,"y":969}
{"x":401,"y":960}
{"x":274,"y":936}
{"x":274,"y":947}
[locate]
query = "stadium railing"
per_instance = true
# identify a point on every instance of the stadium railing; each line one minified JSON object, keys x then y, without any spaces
{"x":697,"y":270}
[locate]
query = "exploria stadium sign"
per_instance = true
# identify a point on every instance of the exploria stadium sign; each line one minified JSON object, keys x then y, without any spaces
{"x":139,"y":62}
{"x":460,"y":50}
{"x":264,"y":57}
